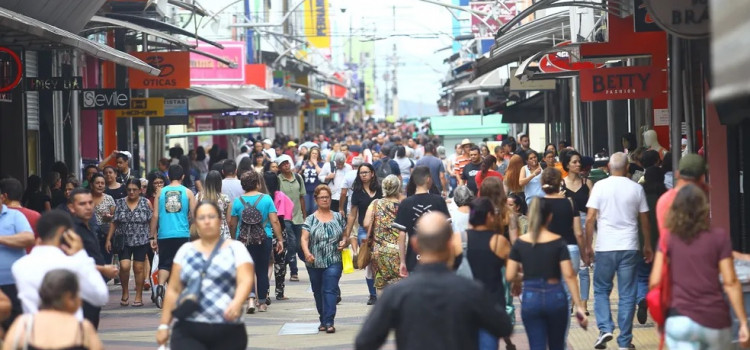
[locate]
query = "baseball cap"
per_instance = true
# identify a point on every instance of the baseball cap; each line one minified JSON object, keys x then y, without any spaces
{"x":267,"y":142}
{"x":284,"y":158}
{"x":692,"y":166}
{"x":291,"y":144}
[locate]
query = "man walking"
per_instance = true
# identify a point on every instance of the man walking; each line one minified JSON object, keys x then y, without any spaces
{"x":411,"y":209}
{"x":615,"y":207}
{"x":293,"y":187}
{"x":385,"y":165}
{"x":15,"y":236}
{"x":11,"y":193}
{"x":411,"y":306}
{"x":470,"y":171}
{"x":231,"y":185}
{"x":461,"y":159}
{"x":170,"y":226}
{"x":437,"y":169}
{"x":56,"y":227}
{"x":335,"y":179}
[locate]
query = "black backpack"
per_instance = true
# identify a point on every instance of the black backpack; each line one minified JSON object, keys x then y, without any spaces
{"x":252,"y":225}
{"x":384,"y":169}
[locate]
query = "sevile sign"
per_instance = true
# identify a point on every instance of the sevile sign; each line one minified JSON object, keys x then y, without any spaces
{"x":684,"y":18}
{"x":207,"y":71}
{"x":174,"y":66}
{"x":620,"y":83}
{"x":101,"y":99}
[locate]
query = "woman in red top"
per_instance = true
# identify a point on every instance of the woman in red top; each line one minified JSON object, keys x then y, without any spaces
{"x":487,"y":169}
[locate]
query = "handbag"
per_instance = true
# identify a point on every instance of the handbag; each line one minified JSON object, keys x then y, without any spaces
{"x":464,"y":269}
{"x":659,"y":298}
{"x":346,"y":260}
{"x":364,"y":257}
{"x":189,"y":301}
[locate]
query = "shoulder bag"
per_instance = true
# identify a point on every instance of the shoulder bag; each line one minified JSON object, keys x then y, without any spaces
{"x":364,"y":256}
{"x":189,"y":301}
{"x":660,"y":297}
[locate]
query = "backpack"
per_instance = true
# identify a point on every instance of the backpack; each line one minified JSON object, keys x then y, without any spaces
{"x":333,"y":170}
{"x":252,"y":225}
{"x":384,"y":169}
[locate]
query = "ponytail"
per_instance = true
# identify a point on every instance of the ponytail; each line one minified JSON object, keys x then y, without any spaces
{"x":539,"y":212}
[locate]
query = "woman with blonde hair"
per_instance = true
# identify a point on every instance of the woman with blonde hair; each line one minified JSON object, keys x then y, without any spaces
{"x":383,"y":238}
{"x":212,"y":193}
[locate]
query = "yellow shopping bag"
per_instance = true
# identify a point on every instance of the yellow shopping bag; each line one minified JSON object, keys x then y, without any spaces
{"x":346,"y":260}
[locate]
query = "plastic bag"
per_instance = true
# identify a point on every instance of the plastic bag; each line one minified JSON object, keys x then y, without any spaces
{"x":346,"y":260}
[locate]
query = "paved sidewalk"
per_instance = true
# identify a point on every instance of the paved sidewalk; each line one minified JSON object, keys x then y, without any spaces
{"x":128,"y":328}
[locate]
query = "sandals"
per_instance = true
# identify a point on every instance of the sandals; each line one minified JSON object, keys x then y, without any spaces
{"x":146,"y":286}
{"x":124,"y":302}
{"x":281,"y":297}
{"x":321,"y":328}
{"x":137,"y":304}
{"x":330,"y":329}
{"x":262,"y":308}
{"x":294,"y":278}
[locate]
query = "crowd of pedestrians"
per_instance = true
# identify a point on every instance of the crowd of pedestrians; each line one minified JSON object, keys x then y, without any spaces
{"x":463,"y":234}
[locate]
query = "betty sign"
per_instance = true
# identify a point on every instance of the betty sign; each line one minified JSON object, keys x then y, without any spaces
{"x":622,"y":83}
{"x":207,"y":71}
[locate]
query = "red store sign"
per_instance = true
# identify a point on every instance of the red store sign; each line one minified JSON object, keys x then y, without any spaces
{"x":622,"y":83}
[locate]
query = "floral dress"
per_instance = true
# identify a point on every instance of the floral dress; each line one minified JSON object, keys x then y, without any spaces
{"x":223,"y":204}
{"x":133,"y":224}
{"x":385,"y":255}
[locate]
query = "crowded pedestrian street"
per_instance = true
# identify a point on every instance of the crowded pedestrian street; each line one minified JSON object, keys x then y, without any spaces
{"x":391,"y":174}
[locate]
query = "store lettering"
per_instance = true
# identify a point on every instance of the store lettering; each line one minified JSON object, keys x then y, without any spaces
{"x":621,"y":83}
{"x":159,"y":82}
{"x":320,"y":12}
{"x":690,"y":16}
{"x":38,"y":84}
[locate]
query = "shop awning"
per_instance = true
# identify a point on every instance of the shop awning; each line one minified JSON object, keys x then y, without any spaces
{"x":312,"y":92}
{"x":251,"y":92}
{"x":161,"y":26}
{"x":208,"y":100}
{"x":488,"y":81}
{"x":287,"y":93}
{"x":100,"y":23}
{"x":469,"y":125}
{"x":68,"y":15}
{"x":20,"y":29}
{"x":242,"y":131}
{"x":530,"y":110}
{"x":730,"y":48}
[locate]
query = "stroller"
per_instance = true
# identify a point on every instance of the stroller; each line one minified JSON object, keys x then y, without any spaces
{"x":156,"y":297}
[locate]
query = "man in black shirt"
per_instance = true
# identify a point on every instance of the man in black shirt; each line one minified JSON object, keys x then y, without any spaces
{"x":81,"y":207}
{"x":469,"y":175}
{"x":434,"y":308}
{"x":411,"y":209}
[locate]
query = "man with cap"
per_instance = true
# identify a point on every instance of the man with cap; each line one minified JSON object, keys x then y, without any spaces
{"x":417,"y":307}
{"x":462,"y":159}
{"x":293,"y":187}
{"x":123,"y":165}
{"x":269,"y":150}
{"x":692,"y":169}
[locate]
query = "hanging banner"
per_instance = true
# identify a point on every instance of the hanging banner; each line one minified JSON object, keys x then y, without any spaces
{"x":317,"y":28}
{"x":208,"y":71}
{"x":622,"y":83}
{"x":174,"y":66}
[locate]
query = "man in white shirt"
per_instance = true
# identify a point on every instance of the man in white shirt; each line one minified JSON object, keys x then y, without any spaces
{"x":268,"y":149}
{"x":58,"y":247}
{"x":334,"y":178}
{"x":231,"y":185}
{"x":349,"y":182}
{"x":616,"y":204}
{"x":244,"y":153}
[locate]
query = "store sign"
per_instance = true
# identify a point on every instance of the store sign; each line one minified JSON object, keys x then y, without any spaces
{"x":687,"y":19}
{"x":100,"y":99}
{"x":207,"y":71}
{"x":318,"y":103}
{"x":174,"y":66}
{"x":500,"y":13}
{"x":531,"y":85}
{"x":317,"y":23}
{"x":642,"y":20}
{"x":175,"y":107}
{"x":144,"y":107}
{"x":620,"y":83}
{"x":11,"y":69}
{"x":557,"y":62}
{"x":53,"y":84}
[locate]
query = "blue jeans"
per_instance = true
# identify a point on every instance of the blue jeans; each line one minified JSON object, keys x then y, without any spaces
{"x":644,"y":272}
{"x":261,"y":255}
{"x":584,"y":277}
{"x":487,"y":341}
{"x":623,"y":263}
{"x":545,"y":314}
{"x":296,"y":247}
{"x":310,"y":205}
{"x":682,"y":333}
{"x":325,"y":282}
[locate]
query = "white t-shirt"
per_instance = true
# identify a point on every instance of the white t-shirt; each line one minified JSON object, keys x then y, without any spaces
{"x":619,"y":201}
{"x":348,"y":184}
{"x":232,"y":187}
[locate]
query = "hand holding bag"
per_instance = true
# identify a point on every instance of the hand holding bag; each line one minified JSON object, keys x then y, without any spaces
{"x":365,"y":249}
{"x":189,"y":300}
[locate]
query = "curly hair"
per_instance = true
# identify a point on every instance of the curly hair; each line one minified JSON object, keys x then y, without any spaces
{"x":250,"y":181}
{"x":322,"y":188}
{"x":688,"y":216}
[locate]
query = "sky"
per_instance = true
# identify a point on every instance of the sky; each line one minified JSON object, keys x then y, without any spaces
{"x":420,"y":69}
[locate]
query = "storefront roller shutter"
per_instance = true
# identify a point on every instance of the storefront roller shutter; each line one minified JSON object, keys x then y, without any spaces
{"x":32,"y":97}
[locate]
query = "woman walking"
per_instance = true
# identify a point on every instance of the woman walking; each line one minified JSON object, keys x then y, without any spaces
{"x":698,"y":315}
{"x":577,"y":189}
{"x":192,"y":178}
{"x":55,"y":326}
{"x":311,"y":168}
{"x":323,"y":238}
{"x":654,"y":187}
{"x":382,"y":237}
{"x":512,"y":178}
{"x":35,"y":198}
{"x":104,"y":212}
{"x":113,"y":188}
{"x":546,"y":260}
{"x":487,"y":169}
{"x":284,"y":209}
{"x":405,"y":164}
{"x":518,"y":207}
{"x":486,"y":251}
{"x":130,"y":231}
{"x":366,"y":189}
{"x":254,"y":200}
{"x":156,"y":181}
{"x":462,"y":197}
{"x":222,"y":271}
{"x":531,"y":178}
{"x":212,"y":193}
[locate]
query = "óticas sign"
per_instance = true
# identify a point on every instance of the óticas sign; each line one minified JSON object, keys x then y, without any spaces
{"x":53,"y":84}
{"x":174,"y":66}
{"x":622,"y":83}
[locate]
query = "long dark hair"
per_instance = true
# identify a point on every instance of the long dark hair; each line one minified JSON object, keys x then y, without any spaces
{"x":374,"y":184}
{"x":654,"y":181}
{"x":212,"y":186}
{"x":689,"y":215}
{"x":200,"y":154}
{"x":488,"y":163}
{"x":187,"y":181}
{"x":246,"y":164}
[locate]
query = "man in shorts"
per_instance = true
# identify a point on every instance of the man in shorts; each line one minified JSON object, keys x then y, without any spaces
{"x":172,"y":214}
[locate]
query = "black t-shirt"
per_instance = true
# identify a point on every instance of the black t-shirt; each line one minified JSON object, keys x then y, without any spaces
{"x":411,"y":209}
{"x":562,"y":219}
{"x":90,"y":242}
{"x":541,"y":260}
{"x":36,"y":201}
{"x":362,"y":200}
{"x":470,"y":176}
{"x":117,"y":193}
{"x":58,"y":197}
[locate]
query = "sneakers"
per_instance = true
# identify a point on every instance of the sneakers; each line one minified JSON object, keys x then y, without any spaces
{"x":630,"y":347}
{"x":373,"y":299}
{"x":642,"y":313}
{"x":601,"y":341}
